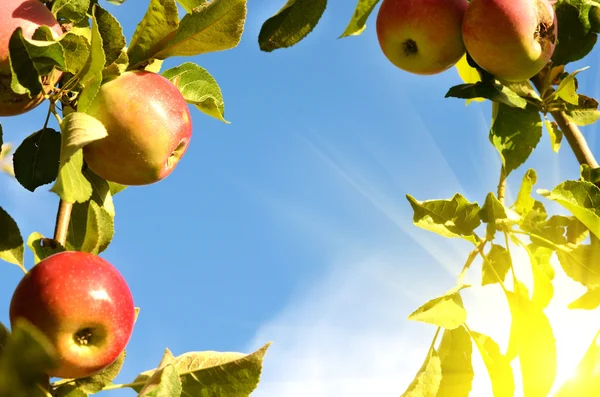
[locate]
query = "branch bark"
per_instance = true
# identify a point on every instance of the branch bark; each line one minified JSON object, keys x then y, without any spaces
{"x":63,"y":217}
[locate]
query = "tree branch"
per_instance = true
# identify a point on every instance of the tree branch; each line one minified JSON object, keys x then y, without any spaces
{"x":63,"y":217}
{"x":569,"y":129}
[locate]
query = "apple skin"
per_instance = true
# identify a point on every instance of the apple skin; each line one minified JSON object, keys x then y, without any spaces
{"x":421,"y":36}
{"x":76,"y":294}
{"x":28,"y":15}
{"x":503,"y":36}
{"x":149,"y":128}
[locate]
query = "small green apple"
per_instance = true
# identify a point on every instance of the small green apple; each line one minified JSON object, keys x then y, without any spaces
{"x":511,"y":39}
{"x":421,"y":36}
{"x":83,"y":305}
{"x":28,"y":15}
{"x":149,"y":128}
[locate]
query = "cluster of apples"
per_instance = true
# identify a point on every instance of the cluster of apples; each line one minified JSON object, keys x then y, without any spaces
{"x":510,"y":39}
{"x":79,"y":300}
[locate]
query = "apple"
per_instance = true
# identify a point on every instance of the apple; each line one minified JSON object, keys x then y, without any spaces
{"x":83,"y":305}
{"x":149,"y":128}
{"x":511,"y":39}
{"x":421,"y":36}
{"x":28,"y":15}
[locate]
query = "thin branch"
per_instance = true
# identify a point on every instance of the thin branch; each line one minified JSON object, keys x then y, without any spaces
{"x":502,"y":185}
{"x":569,"y":129}
{"x":63,"y":217}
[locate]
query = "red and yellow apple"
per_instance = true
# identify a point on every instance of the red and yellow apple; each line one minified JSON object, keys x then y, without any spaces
{"x":83,"y":305}
{"x":511,"y":39}
{"x":28,"y":15}
{"x":149,"y":128}
{"x":421,"y":36}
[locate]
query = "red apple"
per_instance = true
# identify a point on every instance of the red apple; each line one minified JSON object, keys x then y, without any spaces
{"x":511,"y":39}
{"x":28,"y":15}
{"x":421,"y":36}
{"x":149,"y":128}
{"x":83,"y":305}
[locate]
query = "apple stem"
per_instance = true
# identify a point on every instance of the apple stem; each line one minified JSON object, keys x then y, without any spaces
{"x":570,"y":130}
{"x":63,"y":217}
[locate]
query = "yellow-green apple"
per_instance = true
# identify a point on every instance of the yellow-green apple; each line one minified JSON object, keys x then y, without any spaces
{"x":421,"y":36}
{"x":83,"y":305}
{"x":28,"y":15}
{"x":511,"y":39}
{"x":149,"y":128}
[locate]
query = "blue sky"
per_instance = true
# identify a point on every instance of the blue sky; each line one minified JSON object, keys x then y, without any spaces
{"x":290,"y":224}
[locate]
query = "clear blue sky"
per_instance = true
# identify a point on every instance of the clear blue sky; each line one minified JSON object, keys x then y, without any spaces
{"x":290,"y":224}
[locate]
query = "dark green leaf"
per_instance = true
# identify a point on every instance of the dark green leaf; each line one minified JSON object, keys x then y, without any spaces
{"x":428,"y":379}
{"x":198,"y":87}
{"x":575,"y":37}
{"x":97,"y":58}
{"x":11,"y":242}
{"x":456,"y":217}
{"x":489,"y":90}
{"x":91,"y":228}
{"x":159,"y":23}
{"x":445,"y":311}
{"x":357,"y":24}
{"x":111,"y":32}
{"x":294,"y":21}
{"x":27,"y":356}
{"x":590,"y":174}
{"x":515,"y":133}
{"x":4,"y":337}
{"x":215,"y":26}
{"x":455,"y":352}
{"x":495,"y":214}
{"x":37,"y":159}
{"x":497,"y":265}
{"x":77,"y":51}
{"x":70,"y":10}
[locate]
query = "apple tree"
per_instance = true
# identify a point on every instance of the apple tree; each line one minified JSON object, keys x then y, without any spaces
{"x":517,"y":54}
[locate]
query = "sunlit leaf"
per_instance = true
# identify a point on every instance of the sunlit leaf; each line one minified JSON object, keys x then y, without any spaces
{"x":427,"y":381}
{"x":590,"y":300}
{"x":586,"y":380}
{"x":498,"y":365}
{"x":42,"y":247}
{"x":457,"y":370}
{"x":497,"y":265}
{"x":445,"y":311}
{"x":357,"y":24}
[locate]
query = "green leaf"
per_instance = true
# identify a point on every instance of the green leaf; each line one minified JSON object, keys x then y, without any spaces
{"x":42,"y":247}
{"x":115,"y":187}
{"x":91,"y":228}
{"x":165,"y":382}
{"x":428,"y":379}
{"x":515,"y":133}
{"x":27,"y":356}
{"x":204,"y":373}
{"x":101,"y":194}
{"x":37,"y":158}
{"x":31,"y":59}
{"x":534,"y":341}
{"x":575,"y":37}
{"x":494,"y":213}
{"x":78,"y":129}
{"x":217,"y":25}
{"x":77,"y":50}
{"x":95,"y":383}
{"x":157,"y":26}
{"x":555,"y":134}
{"x":69,"y":390}
{"x":586,"y":380}
{"x":585,"y":112}
{"x":4,"y":337}
{"x":11,"y":242}
{"x":497,"y":266}
{"x":525,"y":202}
{"x":111,"y":32}
{"x":89,"y":93}
{"x":543,"y":290}
{"x":489,"y":90}
{"x":498,"y":365}
{"x":97,"y":58}
{"x":189,"y":5}
{"x":118,"y":67}
{"x":357,"y":24}
{"x":445,"y":311}
{"x":589,"y":300}
{"x":581,"y":263}
{"x":455,"y":352}
{"x":292,"y":23}
{"x":70,"y":10}
{"x":567,"y":91}
{"x":456,"y":217}
{"x":590,"y":174}
{"x":199,"y":88}
{"x":582,"y":199}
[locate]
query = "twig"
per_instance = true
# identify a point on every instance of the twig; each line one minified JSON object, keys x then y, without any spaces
{"x":63,"y":217}
{"x":569,"y":129}
{"x":502,"y":185}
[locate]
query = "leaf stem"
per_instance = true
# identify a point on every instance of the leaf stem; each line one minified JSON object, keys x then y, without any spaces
{"x":570,"y":130}
{"x":502,"y":185}
{"x":471,"y":258}
{"x":124,"y":385}
{"x":63,"y":217}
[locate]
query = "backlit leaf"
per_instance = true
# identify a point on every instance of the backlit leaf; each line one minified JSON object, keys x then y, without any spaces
{"x":498,"y":365}
{"x":357,"y":24}
{"x":457,"y":370}
{"x":427,"y":381}
{"x":445,"y":311}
